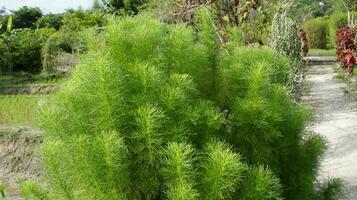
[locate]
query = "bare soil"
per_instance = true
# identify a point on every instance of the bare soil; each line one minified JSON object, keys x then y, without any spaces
{"x":18,"y":158}
{"x":43,"y":89}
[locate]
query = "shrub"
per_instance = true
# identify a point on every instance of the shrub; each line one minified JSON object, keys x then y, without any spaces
{"x":142,"y":118}
{"x":124,"y":7}
{"x":317,"y":33}
{"x":346,"y":48}
{"x":50,"y":21}
{"x":332,"y":189}
{"x":77,"y":20}
{"x":26,"y":51}
{"x":25,"y":46}
{"x":26,"y":17}
{"x":62,"y":44}
{"x":336,"y":22}
{"x":285,"y":38}
{"x":266,"y":127}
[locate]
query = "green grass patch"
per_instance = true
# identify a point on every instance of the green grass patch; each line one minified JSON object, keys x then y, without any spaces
{"x":322,"y":52}
{"x":2,"y":190}
{"x":19,"y":110}
{"x":354,"y":73}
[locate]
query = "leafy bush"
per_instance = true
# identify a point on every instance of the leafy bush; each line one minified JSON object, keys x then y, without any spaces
{"x":317,"y":33}
{"x":21,"y":51}
{"x":77,"y":20}
{"x":62,"y":43}
{"x":156,"y":111}
{"x":50,"y":21}
{"x":26,"y":17}
{"x":346,"y":48}
{"x":124,"y":6}
{"x":26,"y":51}
{"x":336,"y":22}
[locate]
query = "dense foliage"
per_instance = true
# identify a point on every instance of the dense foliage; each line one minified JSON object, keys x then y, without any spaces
{"x":50,"y":21}
{"x":346,"y":48}
{"x":123,"y":6}
{"x":285,"y":37}
{"x":47,"y":42}
{"x":60,"y":51}
{"x":317,"y":33}
{"x":158,"y":111}
{"x":24,"y":17}
{"x":308,"y":9}
{"x":22,"y":50}
{"x":336,"y":22}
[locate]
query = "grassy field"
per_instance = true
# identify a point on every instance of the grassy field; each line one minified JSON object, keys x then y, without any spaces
{"x":322,"y":52}
{"x":19,"y":110}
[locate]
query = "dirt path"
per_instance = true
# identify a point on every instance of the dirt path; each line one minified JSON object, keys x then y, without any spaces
{"x":336,"y":119}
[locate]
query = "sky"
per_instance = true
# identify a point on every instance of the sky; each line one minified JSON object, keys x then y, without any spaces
{"x":54,"y":6}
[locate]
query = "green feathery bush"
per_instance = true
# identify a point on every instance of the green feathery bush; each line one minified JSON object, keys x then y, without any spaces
{"x":179,"y":172}
{"x":260,"y":184}
{"x":221,"y":172}
{"x":156,"y":111}
{"x":31,"y":191}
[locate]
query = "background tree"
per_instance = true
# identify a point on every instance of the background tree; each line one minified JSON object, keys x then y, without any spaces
{"x":50,"y":21}
{"x":5,"y":38}
{"x":126,"y":6}
{"x":97,"y":5}
{"x":26,"y":17}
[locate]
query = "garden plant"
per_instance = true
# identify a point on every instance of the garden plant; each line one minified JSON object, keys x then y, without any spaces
{"x":164,"y":111}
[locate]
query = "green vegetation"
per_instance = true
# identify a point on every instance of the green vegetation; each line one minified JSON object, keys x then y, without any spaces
{"x":158,"y":111}
{"x":2,"y":190}
{"x":285,"y":38}
{"x":36,"y":44}
{"x":317,"y":33}
{"x":186,"y":104}
{"x":333,"y":22}
{"x":19,"y":109}
{"x":322,"y":52}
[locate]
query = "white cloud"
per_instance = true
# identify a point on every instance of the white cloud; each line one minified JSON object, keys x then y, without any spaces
{"x":46,"y":6}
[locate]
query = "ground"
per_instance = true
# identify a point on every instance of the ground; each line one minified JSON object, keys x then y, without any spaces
{"x":19,"y":135}
{"x":336,"y":119}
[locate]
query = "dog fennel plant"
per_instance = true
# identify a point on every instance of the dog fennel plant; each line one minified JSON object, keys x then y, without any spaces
{"x":157,"y":111}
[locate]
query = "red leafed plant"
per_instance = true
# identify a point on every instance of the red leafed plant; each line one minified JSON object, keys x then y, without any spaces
{"x":305,"y":43}
{"x":346,"y":48}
